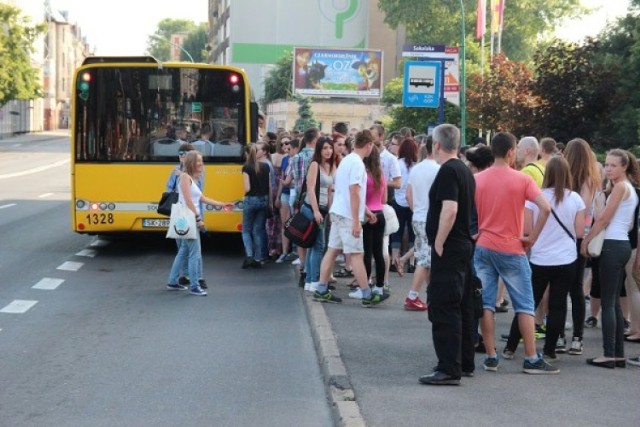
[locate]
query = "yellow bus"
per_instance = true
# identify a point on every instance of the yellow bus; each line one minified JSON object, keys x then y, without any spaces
{"x":129,"y":117}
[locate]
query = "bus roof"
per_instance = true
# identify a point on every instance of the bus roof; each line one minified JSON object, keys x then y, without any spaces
{"x":120,"y":59}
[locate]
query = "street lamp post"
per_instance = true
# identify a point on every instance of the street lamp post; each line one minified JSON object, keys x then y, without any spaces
{"x":463,"y":82}
{"x":153,"y":36}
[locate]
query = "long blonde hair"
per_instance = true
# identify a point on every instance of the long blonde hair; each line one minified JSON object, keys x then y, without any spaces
{"x":252,"y":158}
{"x":190,"y":163}
{"x":583,"y":166}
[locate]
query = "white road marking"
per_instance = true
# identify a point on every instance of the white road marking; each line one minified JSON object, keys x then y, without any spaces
{"x":42,"y":196}
{"x":34,"y":170}
{"x":48,"y":284}
{"x":70,"y":266}
{"x":99,"y":243}
{"x":87,"y":252}
{"x":7,"y":206}
{"x":18,"y":306}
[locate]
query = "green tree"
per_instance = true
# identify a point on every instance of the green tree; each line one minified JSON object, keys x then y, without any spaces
{"x":438,"y":21}
{"x":620,"y":49}
{"x":278,"y":82}
{"x":195,"y":44}
{"x":576,"y":89}
{"x":502,"y":98}
{"x":159,"y":45}
{"x":306,"y":118}
{"x":18,"y":78}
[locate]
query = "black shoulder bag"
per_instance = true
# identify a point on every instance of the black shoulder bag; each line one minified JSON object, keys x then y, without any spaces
{"x":168,"y":199}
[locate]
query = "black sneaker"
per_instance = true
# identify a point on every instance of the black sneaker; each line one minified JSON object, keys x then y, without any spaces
{"x":326,"y":297}
{"x":203,"y":284}
{"x":184,"y":281}
{"x":591,"y":322}
{"x":176,"y":287}
{"x":247,"y":262}
{"x":374,"y":299}
{"x":256,"y":264}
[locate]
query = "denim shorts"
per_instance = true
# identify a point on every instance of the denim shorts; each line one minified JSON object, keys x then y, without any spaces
{"x":515,"y":272}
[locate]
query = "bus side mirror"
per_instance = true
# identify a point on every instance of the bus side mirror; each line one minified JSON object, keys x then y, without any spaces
{"x":254,"y":121}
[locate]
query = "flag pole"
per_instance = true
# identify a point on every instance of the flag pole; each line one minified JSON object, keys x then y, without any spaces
{"x":463,"y":82}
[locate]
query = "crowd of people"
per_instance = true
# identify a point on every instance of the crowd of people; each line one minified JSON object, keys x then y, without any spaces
{"x":514,"y":216}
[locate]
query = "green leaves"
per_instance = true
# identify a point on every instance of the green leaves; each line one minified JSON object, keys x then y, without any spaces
{"x":158,"y":45}
{"x":278,"y":83}
{"x":18,"y":77}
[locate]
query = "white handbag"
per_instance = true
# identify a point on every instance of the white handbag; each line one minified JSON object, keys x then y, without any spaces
{"x":391,"y":220}
{"x":594,"y":248}
{"x":182,"y":223}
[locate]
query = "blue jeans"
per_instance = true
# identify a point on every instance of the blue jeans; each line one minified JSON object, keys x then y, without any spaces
{"x":515,"y":272}
{"x":315,"y":252}
{"x":188,"y":253}
{"x":254,"y":228}
{"x":184,"y":270}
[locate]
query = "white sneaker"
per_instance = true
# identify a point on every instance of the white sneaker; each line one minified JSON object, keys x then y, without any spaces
{"x":357,"y":294}
{"x":307,"y":286}
{"x":311,"y":287}
{"x":281,"y":258}
{"x":295,"y":261}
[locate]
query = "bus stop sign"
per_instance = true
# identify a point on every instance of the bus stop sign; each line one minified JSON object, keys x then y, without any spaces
{"x":422,"y":84}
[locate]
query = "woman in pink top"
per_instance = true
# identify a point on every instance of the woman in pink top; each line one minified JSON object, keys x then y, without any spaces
{"x":373,"y":233}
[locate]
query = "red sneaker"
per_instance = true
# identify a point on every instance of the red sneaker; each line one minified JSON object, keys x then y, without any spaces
{"x":414,"y":304}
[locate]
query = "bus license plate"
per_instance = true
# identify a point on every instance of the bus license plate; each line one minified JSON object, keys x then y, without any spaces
{"x":155,"y":223}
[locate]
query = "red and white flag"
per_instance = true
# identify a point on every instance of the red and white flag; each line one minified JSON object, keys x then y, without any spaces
{"x":481,"y":21}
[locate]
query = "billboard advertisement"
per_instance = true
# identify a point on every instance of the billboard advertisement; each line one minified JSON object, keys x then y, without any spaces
{"x":337,"y":72}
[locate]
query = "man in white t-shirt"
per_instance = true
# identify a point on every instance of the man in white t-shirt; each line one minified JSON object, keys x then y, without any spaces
{"x":391,"y":171}
{"x":348,"y":212}
{"x":420,"y":179}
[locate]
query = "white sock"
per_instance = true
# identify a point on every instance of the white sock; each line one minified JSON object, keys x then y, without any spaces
{"x":413,"y":295}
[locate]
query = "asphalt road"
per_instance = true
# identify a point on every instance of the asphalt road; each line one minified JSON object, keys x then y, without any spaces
{"x":100,"y":342}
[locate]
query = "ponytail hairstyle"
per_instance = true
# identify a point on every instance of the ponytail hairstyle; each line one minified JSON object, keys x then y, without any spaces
{"x":628,"y":160}
{"x":557,"y":176}
{"x":372,"y":164}
{"x":252,"y":158}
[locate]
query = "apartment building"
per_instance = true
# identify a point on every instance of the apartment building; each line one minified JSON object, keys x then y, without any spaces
{"x":57,"y":53}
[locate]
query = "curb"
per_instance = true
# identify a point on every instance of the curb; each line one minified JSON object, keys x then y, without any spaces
{"x":339,"y":390}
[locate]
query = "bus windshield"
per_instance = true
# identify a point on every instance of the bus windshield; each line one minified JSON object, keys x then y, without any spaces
{"x":145,"y":113}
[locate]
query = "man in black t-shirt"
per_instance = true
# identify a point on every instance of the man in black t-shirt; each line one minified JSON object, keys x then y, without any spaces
{"x":450,"y":292}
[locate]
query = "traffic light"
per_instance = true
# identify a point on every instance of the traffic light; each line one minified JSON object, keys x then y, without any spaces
{"x":84,"y":83}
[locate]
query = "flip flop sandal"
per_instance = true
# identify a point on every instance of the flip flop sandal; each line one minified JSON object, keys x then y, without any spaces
{"x":343,"y":273}
{"x":399,"y":267}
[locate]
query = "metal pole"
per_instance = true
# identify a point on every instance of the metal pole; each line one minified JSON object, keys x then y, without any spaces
{"x":463,"y":83}
{"x":153,"y":36}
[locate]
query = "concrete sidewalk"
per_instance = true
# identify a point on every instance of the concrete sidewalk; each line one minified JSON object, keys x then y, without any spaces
{"x":34,"y":137}
{"x":372,"y":359}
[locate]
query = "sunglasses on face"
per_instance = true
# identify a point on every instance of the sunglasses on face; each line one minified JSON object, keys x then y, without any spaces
{"x":182,"y":153}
